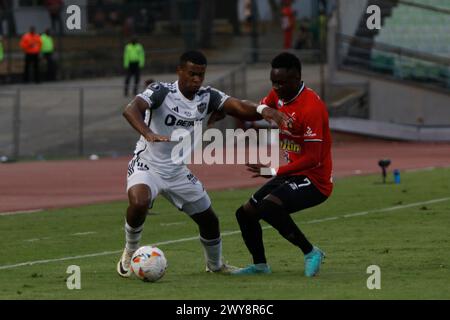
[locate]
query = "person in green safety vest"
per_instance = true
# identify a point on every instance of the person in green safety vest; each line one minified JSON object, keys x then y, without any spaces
{"x":133,"y":62}
{"x":47,"y":50}
{"x":2,"y":55}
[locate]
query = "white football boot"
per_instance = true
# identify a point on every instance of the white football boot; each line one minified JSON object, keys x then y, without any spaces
{"x":124,"y":264}
{"x":224,"y":269}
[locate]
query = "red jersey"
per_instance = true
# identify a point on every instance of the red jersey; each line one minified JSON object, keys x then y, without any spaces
{"x":307,"y":143}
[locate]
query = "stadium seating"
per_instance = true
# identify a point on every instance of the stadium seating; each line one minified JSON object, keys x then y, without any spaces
{"x":415,"y":29}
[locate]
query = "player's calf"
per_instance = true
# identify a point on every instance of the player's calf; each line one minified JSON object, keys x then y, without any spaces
{"x":251,"y":232}
{"x":279,"y":218}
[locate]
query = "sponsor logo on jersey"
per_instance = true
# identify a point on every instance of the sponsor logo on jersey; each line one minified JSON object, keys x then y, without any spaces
{"x":193,"y":179}
{"x":175,"y":109}
{"x":309,"y":133}
{"x":136,"y":163}
{"x":171,"y":121}
{"x":201,"y":107}
{"x":188,"y":113}
{"x":290,"y":146}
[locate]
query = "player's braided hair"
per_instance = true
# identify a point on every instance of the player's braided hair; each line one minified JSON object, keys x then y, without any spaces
{"x":196,"y":57}
{"x":287,"y":61}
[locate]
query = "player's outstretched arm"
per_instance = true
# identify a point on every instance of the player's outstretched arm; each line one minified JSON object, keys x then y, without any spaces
{"x":134,"y":113}
{"x":250,"y":111}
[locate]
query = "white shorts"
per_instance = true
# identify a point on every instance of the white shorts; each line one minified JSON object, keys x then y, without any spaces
{"x":183,"y":190}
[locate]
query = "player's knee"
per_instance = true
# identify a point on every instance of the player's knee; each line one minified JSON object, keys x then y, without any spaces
{"x":275,"y":215}
{"x":208,"y":224}
{"x":240,"y":214}
{"x":213,"y":220}
{"x":245,"y":213}
{"x":273,"y":199}
{"x":206,"y":219}
{"x":139,"y":203}
{"x":267,"y":209}
{"x":139,"y":198}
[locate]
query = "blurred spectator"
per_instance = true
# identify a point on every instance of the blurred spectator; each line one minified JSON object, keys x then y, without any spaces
{"x":287,"y":23}
{"x":322,"y":28}
{"x":314,"y":31}
{"x":144,"y":21}
{"x":234,"y":19}
{"x":128,"y":26}
{"x":99,"y":19}
{"x":3,"y":8}
{"x":133,"y":62}
{"x":2,"y":55}
{"x":323,"y":6}
{"x":304,"y":38}
{"x":31,"y":45}
{"x":47,"y":50}
{"x":54,"y":8}
{"x":114,"y":18}
{"x":248,"y":15}
{"x":7,"y":25}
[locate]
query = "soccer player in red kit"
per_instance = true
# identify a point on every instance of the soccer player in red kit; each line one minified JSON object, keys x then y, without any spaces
{"x":304,"y":182}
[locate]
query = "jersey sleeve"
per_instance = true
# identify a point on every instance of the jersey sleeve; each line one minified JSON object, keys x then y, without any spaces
{"x":216,"y":100}
{"x":154,"y":95}
{"x":270,"y":100}
{"x":313,"y":123}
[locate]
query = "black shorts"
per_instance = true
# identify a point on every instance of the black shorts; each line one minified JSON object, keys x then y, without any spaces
{"x":295,"y":192}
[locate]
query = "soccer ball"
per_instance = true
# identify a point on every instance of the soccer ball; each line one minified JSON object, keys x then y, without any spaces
{"x":149,"y":263}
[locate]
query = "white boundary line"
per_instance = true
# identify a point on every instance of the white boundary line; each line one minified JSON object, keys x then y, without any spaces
{"x":229,"y":233}
{"x":10,"y":213}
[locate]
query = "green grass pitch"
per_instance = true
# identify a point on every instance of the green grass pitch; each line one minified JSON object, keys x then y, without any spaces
{"x":399,"y":228}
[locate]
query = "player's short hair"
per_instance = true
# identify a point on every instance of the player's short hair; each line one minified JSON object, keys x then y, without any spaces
{"x":287,"y":61}
{"x":196,"y":57}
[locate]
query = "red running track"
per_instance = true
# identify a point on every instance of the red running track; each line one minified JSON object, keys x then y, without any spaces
{"x":55,"y":184}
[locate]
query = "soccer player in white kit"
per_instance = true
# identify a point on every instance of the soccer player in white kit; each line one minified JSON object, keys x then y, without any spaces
{"x":156,"y":113}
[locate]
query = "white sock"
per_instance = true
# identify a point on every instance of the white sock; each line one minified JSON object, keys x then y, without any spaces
{"x":133,"y":237}
{"x":213,"y":252}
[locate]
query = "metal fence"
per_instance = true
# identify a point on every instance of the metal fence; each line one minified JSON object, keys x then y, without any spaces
{"x":60,"y":121}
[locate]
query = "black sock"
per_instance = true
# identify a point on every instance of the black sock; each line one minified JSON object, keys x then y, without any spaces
{"x":279,"y":218}
{"x":252,"y":235}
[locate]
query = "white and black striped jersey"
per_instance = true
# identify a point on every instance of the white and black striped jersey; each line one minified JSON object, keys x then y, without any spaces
{"x":168,"y":112}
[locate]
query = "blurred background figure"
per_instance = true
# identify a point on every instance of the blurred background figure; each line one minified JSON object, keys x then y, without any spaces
{"x":31,"y":45}
{"x":322,"y":29}
{"x":2,"y":55}
{"x":133,"y":62}
{"x":129,"y":26}
{"x":47,"y":50}
{"x":54,"y":8}
{"x":144,"y":21}
{"x":287,"y":23}
{"x":248,"y":15}
{"x":304,"y":37}
{"x":99,"y":18}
